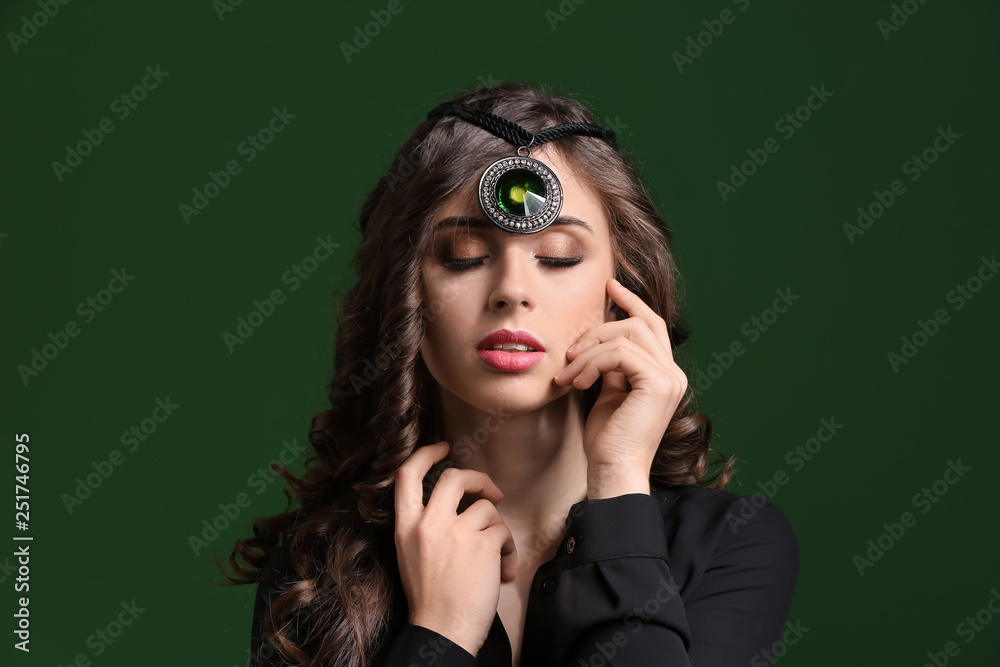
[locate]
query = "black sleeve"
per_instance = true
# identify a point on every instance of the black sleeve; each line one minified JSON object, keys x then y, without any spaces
{"x":416,"y":645}
{"x":739,"y":608}
{"x":269,"y":587}
{"x":612,"y":599}
{"x":412,"y":645}
{"x":616,"y":602}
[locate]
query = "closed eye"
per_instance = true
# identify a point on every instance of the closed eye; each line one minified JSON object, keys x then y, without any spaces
{"x":554,"y":262}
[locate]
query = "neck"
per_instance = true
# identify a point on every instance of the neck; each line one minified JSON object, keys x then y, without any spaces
{"x":536,"y":458}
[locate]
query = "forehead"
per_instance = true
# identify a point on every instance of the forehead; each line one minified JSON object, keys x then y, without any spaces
{"x":582,"y":209}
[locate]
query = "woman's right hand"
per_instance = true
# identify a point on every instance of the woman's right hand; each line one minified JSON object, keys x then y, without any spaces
{"x":451,"y":564}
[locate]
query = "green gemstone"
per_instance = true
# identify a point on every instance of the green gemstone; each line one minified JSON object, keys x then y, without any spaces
{"x":520,"y":192}
{"x":517,"y":193}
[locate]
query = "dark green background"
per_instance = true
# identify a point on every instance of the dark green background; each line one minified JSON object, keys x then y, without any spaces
{"x":824,"y":358}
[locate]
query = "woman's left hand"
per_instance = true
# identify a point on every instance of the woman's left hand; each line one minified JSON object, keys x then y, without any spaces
{"x":624,"y":428}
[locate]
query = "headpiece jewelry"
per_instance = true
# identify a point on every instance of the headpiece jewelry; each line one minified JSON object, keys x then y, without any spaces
{"x":519,"y":193}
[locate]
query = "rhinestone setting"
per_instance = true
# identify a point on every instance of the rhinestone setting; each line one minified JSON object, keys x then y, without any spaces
{"x":540,"y":209}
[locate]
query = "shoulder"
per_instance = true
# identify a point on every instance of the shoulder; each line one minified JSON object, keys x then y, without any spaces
{"x":703,"y":508}
{"x":712,"y":528}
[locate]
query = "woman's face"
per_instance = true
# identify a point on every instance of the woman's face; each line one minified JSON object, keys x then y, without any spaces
{"x":478,"y":279}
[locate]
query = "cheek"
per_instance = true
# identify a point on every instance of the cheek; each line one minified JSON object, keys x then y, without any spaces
{"x":433,"y":349}
{"x":436,"y":299}
{"x":435,"y":324}
{"x":445,"y":310}
{"x":444,"y":293}
{"x":587,"y":305}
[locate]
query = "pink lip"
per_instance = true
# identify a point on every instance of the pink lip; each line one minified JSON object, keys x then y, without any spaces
{"x":510,"y":361}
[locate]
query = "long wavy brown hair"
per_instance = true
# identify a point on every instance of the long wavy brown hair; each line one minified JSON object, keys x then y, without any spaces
{"x":339,"y":520}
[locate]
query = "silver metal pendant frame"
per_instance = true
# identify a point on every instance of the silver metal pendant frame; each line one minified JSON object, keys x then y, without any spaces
{"x":528,"y":224}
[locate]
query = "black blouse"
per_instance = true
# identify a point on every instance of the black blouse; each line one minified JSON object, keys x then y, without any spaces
{"x":685,"y":576}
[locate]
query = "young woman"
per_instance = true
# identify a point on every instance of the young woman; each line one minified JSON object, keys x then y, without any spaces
{"x":512,"y":470}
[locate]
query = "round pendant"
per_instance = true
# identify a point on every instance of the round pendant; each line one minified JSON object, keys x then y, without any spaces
{"x":520,"y":194}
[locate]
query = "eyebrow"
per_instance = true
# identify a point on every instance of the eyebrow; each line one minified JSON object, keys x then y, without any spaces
{"x":482,"y":223}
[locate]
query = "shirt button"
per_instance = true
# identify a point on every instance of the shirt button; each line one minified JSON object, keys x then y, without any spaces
{"x":570,"y":545}
{"x":549,"y":585}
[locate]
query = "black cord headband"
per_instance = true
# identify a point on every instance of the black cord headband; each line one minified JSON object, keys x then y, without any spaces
{"x":520,"y":194}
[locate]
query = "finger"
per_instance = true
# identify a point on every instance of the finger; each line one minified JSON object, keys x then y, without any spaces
{"x":636,"y":307}
{"x":508,"y":559}
{"x":616,"y":381}
{"x":626,"y":357}
{"x":409,"y":480}
{"x":633,"y":329}
{"x":454,"y":483}
{"x":479,"y":515}
{"x":508,"y":550}
{"x":483,"y":515}
{"x":585,"y":358}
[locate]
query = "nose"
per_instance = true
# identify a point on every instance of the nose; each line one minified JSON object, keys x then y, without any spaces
{"x":513,"y":279}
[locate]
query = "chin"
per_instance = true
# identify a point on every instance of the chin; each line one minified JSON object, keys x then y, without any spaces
{"x":513,"y":398}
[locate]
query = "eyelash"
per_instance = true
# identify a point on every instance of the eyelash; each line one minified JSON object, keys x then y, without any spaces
{"x":552,"y":262}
